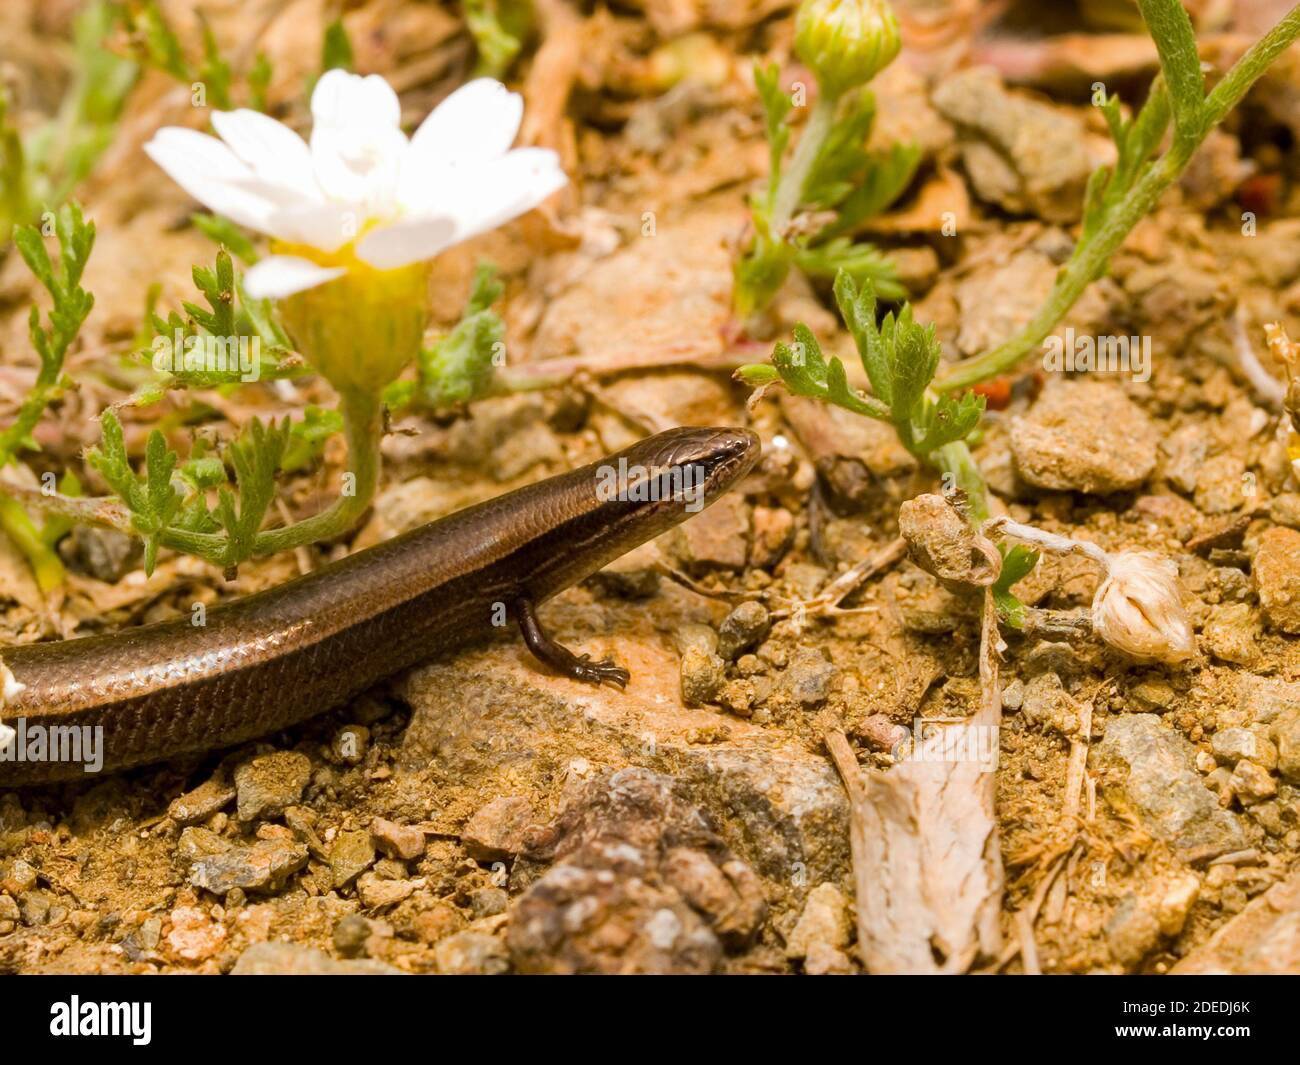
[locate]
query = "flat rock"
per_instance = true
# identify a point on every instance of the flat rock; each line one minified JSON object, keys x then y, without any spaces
{"x":268,"y":783}
{"x":1277,"y":578}
{"x":1264,"y":939}
{"x":202,"y":802}
{"x":263,"y":866}
{"x":610,"y":314}
{"x":1149,"y":770}
{"x":495,"y":719}
{"x":1084,"y":436}
{"x":1020,"y":153}
{"x":496,"y":832}
{"x":293,"y":959}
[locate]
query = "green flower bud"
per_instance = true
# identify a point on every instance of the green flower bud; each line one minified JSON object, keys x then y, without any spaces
{"x":846,"y":43}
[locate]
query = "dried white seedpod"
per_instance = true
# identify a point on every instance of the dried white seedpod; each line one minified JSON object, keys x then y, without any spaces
{"x":1138,"y":609}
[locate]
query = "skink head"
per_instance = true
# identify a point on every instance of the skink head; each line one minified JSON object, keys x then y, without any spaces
{"x":626,"y":499}
{"x":681,"y":470}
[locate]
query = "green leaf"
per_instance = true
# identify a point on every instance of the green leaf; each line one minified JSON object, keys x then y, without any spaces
{"x":843,"y":153}
{"x":915,"y":357}
{"x":259,"y":82}
{"x":886,"y":177}
{"x":776,"y":109}
{"x":162,"y":48}
{"x":1018,"y":562}
{"x":949,"y":419}
{"x":760,"y":272}
{"x":336,"y":49}
{"x":221,"y":230}
{"x":458,"y":368}
{"x":485,"y":290}
{"x":805,"y":371}
{"x":214,"y":71}
{"x":307,"y":437}
{"x":858,"y":310}
{"x":255,"y":455}
{"x":499,"y":29}
{"x":71,"y":305}
{"x":864,"y":262}
{"x":152,"y":500}
{"x":31,"y":246}
{"x":757,"y":374}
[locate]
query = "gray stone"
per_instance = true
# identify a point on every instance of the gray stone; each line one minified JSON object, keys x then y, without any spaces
{"x":1277,"y":578}
{"x":265,"y":785}
{"x":263,"y":866}
{"x":1149,"y":770}
{"x":1131,"y":932}
{"x":825,"y":921}
{"x":740,"y":630}
{"x":1286,"y":734}
{"x":471,"y":954}
{"x":702,"y":676}
{"x":351,"y":853}
{"x":1230,"y":745}
{"x":397,"y":841}
{"x":1265,"y":699}
{"x":808,"y":676}
{"x":198,"y":805}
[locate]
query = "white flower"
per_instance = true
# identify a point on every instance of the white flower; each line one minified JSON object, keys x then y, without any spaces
{"x":361,"y":186}
{"x":1138,"y":609}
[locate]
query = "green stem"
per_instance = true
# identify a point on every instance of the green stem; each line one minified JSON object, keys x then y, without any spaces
{"x":1250,"y":67}
{"x":957,"y":460}
{"x":789,"y":193}
{"x":43,"y":560}
{"x":1090,"y":257}
{"x":762,"y":270}
{"x":363,"y":430}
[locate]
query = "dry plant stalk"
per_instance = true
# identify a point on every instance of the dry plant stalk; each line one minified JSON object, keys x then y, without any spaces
{"x":926,"y":862}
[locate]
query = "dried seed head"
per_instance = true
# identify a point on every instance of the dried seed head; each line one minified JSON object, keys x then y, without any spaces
{"x":942,"y":542}
{"x":1139,"y":609}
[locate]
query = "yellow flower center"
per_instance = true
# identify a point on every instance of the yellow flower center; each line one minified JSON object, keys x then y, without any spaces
{"x":362,"y":329}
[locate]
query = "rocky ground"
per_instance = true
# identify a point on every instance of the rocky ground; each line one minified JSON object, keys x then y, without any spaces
{"x":481,"y":816}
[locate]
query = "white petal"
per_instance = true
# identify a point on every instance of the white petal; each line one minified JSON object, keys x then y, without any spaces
{"x":274,"y":152}
{"x":210,"y":172}
{"x":475,"y":123}
{"x":343,"y":99}
{"x":407,"y":241}
{"x":361,"y":165}
{"x":283,"y":275}
{"x":503,"y":190}
{"x":327,"y":226}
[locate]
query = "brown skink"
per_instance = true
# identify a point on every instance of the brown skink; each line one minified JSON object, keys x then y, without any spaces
{"x":272,"y":659}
